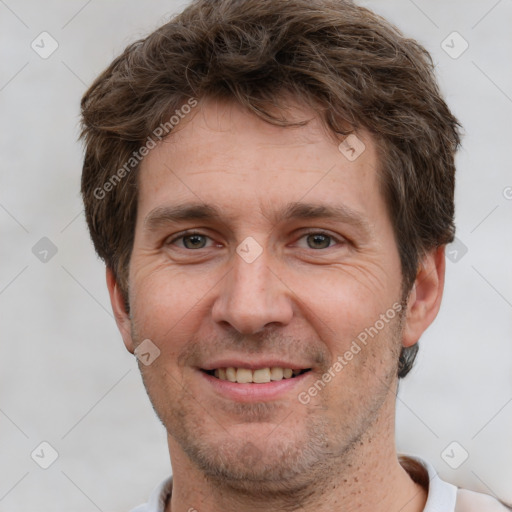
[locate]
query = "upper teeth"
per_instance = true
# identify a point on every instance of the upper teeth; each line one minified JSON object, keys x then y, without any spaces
{"x":260,"y":376}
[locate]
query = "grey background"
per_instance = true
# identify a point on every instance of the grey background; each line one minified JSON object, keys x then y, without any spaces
{"x":65,"y":377}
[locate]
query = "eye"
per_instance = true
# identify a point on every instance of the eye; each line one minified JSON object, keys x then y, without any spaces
{"x":319,"y":240}
{"x":190,"y":241}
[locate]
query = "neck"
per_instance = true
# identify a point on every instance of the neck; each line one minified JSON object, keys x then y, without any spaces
{"x":368,"y":478}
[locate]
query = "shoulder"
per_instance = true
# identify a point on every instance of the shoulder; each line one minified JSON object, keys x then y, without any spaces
{"x":446,"y":497}
{"x":470,"y":501}
{"x":158,"y":499}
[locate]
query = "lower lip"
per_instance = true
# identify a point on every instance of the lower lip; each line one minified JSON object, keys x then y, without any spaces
{"x":254,"y":392}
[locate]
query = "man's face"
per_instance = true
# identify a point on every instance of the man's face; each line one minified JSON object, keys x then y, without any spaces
{"x":273,"y":280}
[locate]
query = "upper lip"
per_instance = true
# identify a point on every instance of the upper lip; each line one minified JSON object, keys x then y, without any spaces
{"x":254,"y":365}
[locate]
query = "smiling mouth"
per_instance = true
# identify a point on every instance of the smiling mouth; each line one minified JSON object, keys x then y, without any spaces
{"x":260,"y":376}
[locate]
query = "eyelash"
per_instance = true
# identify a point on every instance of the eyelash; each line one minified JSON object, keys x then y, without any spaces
{"x":197,"y":233}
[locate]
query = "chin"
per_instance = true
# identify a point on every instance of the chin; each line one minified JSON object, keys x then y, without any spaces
{"x":255,"y":458}
{"x":275,"y":468}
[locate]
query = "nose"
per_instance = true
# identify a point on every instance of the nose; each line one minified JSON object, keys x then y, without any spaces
{"x":252,"y":296}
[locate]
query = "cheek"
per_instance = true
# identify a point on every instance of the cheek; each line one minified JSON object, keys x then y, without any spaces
{"x":165,"y":304}
{"x":341,"y":303}
{"x":359,"y":327}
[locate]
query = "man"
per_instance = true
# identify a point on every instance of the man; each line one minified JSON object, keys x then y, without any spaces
{"x":271,"y":187}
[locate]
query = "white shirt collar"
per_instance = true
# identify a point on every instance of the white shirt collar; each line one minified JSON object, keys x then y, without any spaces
{"x":441,"y":495}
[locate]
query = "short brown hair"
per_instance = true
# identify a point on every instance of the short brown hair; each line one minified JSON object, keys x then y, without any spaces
{"x":347,"y":63}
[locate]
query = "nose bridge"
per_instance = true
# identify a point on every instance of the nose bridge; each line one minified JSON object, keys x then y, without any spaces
{"x":251,"y":296}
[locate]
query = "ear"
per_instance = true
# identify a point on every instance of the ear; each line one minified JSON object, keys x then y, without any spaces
{"x":425,"y":296}
{"x":119,"y":309}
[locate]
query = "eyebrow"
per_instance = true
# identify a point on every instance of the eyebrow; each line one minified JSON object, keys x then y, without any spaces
{"x":164,"y":215}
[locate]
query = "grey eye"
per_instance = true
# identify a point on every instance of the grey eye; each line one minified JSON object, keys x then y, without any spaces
{"x":318,"y":241}
{"x":194,"y":241}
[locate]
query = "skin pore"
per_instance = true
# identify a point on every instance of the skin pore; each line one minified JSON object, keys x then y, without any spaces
{"x":263,"y":246}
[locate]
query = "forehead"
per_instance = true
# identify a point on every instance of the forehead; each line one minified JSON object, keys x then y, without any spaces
{"x":223,"y":155}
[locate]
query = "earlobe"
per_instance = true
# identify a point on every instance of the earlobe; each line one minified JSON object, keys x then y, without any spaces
{"x":425,"y":297}
{"x":119,"y":309}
